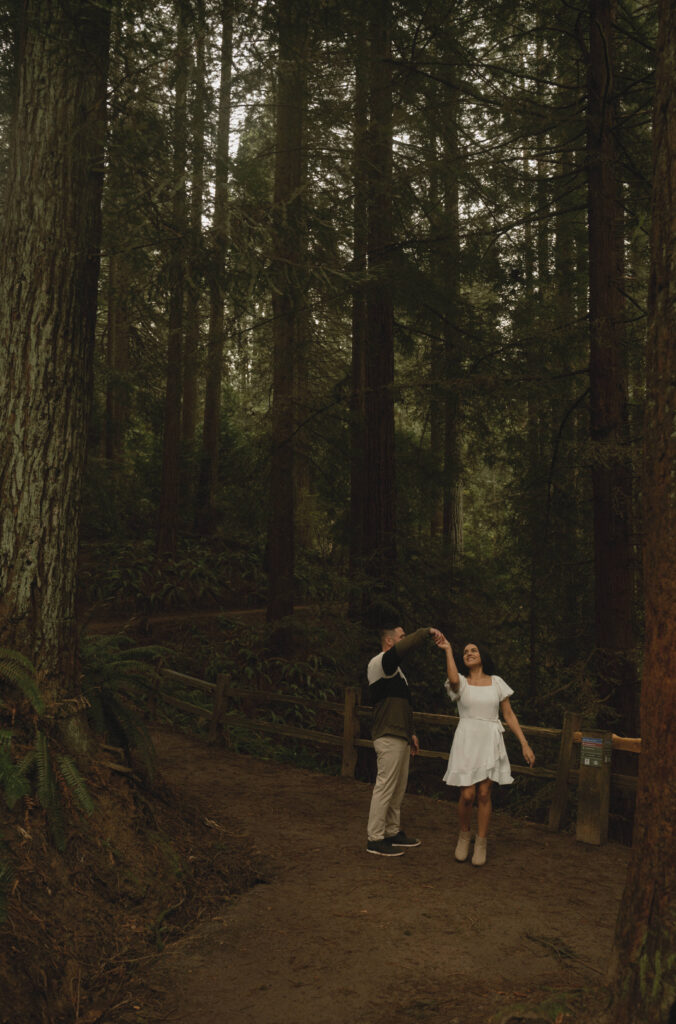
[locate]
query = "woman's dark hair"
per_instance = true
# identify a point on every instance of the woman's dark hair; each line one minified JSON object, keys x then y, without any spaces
{"x":487,"y":663}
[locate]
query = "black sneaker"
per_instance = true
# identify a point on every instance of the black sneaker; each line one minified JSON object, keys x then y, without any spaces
{"x":383,"y":848}
{"x":401,"y":839}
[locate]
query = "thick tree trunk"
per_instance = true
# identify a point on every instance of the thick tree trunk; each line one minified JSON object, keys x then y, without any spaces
{"x":287,"y":260}
{"x":611,"y":468}
{"x":379,"y":537}
{"x":49,"y":265}
{"x":167,"y":534}
{"x":643,"y":972}
{"x":208,"y":487}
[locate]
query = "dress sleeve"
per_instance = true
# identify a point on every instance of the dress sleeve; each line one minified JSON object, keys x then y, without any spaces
{"x":504,"y":691}
{"x":455,"y":694}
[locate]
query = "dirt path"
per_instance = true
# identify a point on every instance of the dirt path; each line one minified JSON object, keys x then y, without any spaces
{"x":338,"y":936}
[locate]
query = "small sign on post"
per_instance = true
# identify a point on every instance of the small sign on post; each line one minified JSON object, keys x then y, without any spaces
{"x":596,"y":748}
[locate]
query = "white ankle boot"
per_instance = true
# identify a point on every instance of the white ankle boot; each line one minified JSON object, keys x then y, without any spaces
{"x":462,"y":847}
{"x":479,"y":855}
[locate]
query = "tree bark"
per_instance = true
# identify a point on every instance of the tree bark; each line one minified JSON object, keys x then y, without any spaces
{"x":379,"y":535}
{"x":287,"y":301}
{"x":452,"y":507}
{"x":167,"y":535}
{"x":611,"y":467}
{"x":208,"y":487}
{"x":194,"y":279}
{"x":117,"y":357}
{"x":642,"y":971}
{"x":49,"y":267}
{"x":359,"y":255}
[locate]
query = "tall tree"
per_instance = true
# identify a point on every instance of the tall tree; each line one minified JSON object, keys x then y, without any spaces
{"x":167,"y":534}
{"x":49,"y":266}
{"x":198,"y":116}
{"x":611,"y":466}
{"x":288,"y":257}
{"x":379,"y":534}
{"x":359,"y":253}
{"x":212,"y":397}
{"x":643,"y":972}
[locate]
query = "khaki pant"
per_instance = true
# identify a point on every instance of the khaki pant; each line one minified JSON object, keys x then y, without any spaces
{"x":393,"y":755}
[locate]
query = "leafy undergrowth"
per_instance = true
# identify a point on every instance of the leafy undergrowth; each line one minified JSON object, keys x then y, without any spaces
{"x":133,"y":877}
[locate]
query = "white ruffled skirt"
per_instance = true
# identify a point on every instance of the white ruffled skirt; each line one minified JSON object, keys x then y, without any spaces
{"x":478,"y":752}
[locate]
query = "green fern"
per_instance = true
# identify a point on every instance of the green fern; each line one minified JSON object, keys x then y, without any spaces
{"x":110,"y":666}
{"x":19,"y":672}
{"x":75,"y":782}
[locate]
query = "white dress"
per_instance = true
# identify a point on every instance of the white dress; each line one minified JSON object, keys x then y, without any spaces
{"x":478,"y":750}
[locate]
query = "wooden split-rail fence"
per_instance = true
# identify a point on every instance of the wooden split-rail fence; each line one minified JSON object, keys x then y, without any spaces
{"x":230,"y":708}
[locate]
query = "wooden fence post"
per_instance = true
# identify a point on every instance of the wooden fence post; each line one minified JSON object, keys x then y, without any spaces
{"x":220,"y":703}
{"x":593,"y":803}
{"x":350,"y":730}
{"x":557,"y":810}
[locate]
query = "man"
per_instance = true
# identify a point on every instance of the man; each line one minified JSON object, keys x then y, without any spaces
{"x":393,"y":739}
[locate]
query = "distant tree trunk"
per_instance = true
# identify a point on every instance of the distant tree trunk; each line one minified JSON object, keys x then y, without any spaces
{"x":194,"y":288}
{"x":208,"y":487}
{"x":379,"y":536}
{"x":358,"y":383}
{"x":452,"y":509}
{"x":167,"y":535}
{"x":642,"y":972}
{"x":49,"y":267}
{"x":287,"y":260}
{"x":611,"y":467}
{"x":120,"y":278}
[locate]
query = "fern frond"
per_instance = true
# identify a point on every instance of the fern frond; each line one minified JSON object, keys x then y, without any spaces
{"x":19,"y":672}
{"x":75,"y":783}
{"x":45,"y":786}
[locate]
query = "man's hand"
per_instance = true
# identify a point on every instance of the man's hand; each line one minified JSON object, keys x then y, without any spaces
{"x":415,"y":746}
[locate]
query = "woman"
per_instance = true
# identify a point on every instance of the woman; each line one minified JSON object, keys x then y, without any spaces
{"x":478,"y":756}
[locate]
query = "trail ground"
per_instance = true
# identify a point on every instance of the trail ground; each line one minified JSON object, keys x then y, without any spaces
{"x":336,"y":935}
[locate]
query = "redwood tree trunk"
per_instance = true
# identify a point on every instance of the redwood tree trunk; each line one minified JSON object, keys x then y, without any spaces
{"x":359,"y":250}
{"x":194,"y":281}
{"x":167,"y":534}
{"x":380,"y":517}
{"x":643,"y":972}
{"x":287,"y":260}
{"x":49,"y":266}
{"x":206,"y":514}
{"x":611,"y":467}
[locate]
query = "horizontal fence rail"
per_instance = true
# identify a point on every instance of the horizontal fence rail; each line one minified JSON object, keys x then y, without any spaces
{"x":593,"y":777}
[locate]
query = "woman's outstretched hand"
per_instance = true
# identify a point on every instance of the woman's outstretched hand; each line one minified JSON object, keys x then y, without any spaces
{"x":528,"y":755}
{"x":441,"y":641}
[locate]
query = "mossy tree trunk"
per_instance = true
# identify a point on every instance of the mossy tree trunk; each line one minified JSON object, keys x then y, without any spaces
{"x":49,"y":268}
